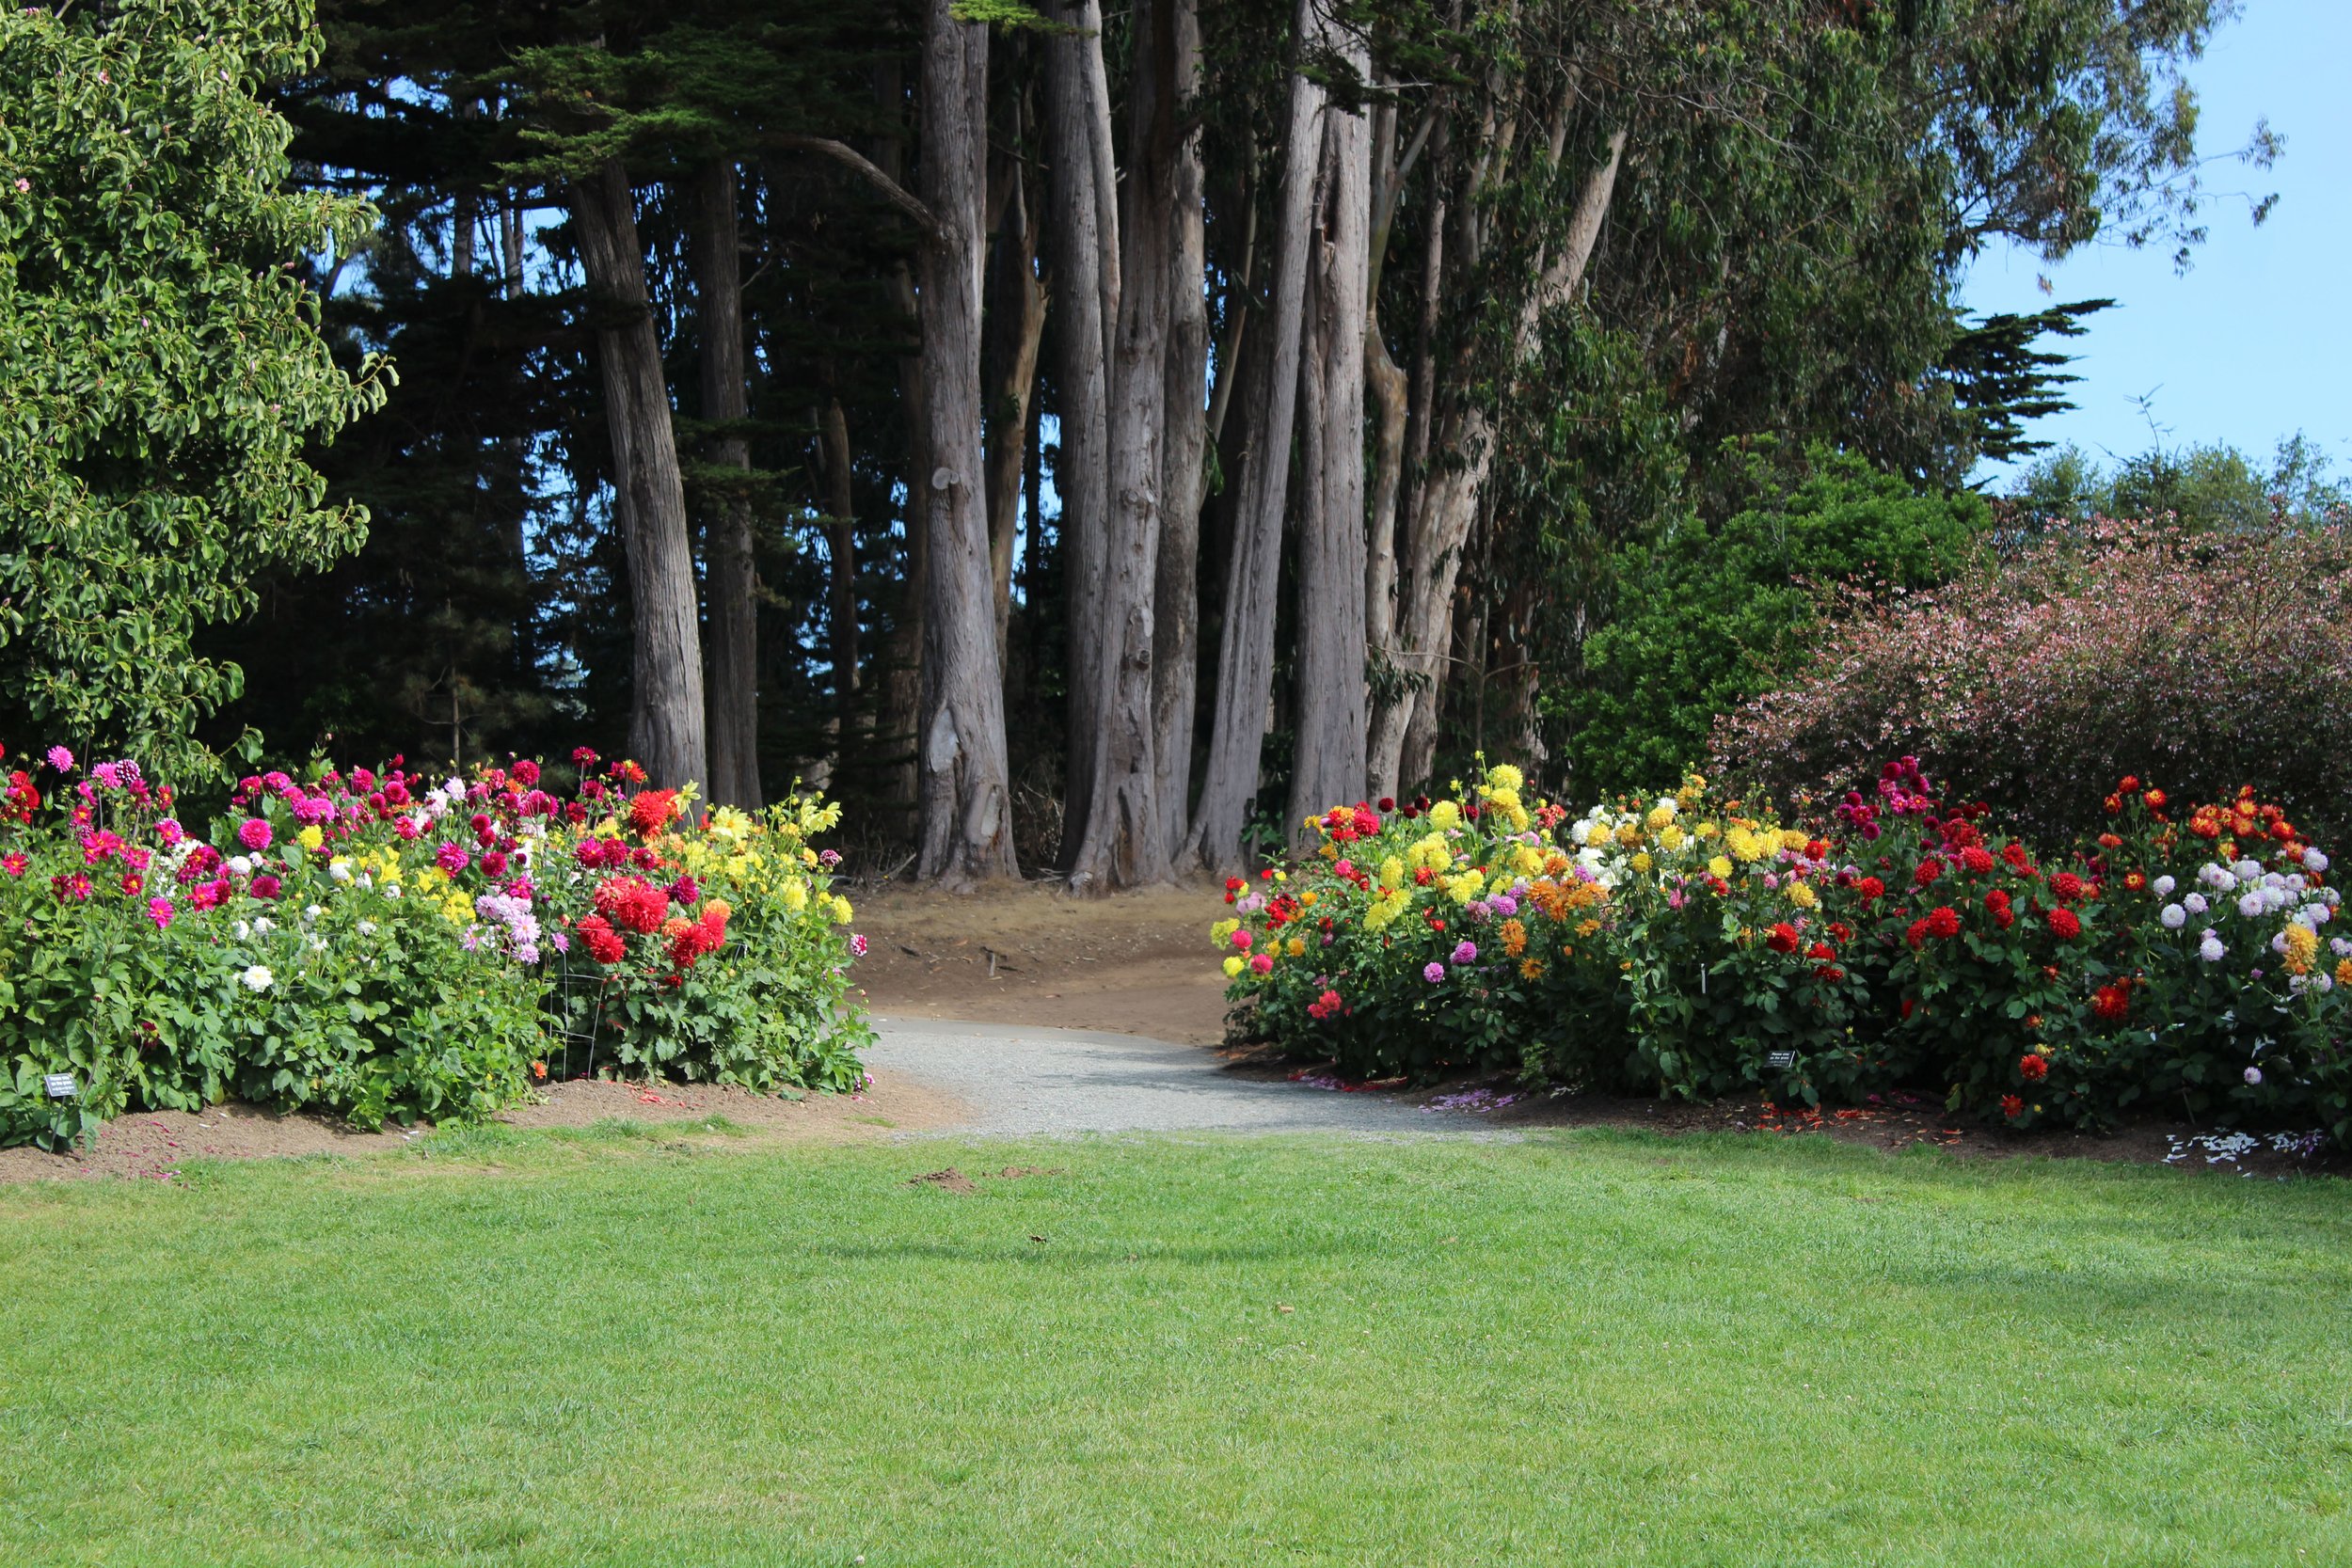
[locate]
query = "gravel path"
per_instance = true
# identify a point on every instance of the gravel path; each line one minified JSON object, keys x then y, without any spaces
{"x":1023,"y":1080}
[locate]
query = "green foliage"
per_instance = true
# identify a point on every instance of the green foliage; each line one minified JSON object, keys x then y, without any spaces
{"x":371,"y":1010}
{"x":352,"y":947}
{"x":1709,"y":613}
{"x":2001,"y":378}
{"x":1696,"y":945}
{"x":163,"y":365}
{"x":770,"y":1010}
{"x":2212,"y":486}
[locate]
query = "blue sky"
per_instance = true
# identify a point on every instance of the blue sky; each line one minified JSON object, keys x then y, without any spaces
{"x":2255,"y":342}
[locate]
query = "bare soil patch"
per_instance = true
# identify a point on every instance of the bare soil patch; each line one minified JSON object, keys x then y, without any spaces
{"x":154,"y":1144}
{"x":1893,"y":1123}
{"x":1137,"y":963}
{"x":954,"y":1180}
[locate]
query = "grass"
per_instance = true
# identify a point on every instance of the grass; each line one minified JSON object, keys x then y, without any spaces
{"x":623,"y":1348}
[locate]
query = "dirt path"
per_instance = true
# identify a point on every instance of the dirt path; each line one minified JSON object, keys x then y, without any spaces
{"x":1139,"y":964}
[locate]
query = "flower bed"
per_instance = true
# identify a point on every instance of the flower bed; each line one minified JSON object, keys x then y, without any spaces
{"x":1696,"y":945}
{"x":384,"y":946}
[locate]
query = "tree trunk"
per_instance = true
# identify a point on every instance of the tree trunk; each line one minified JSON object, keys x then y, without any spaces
{"x":665,"y":721}
{"x":1014,"y":326}
{"x":1328,"y":764}
{"x":841,"y":542}
{"x":966,"y":816}
{"x":1405,"y":728}
{"x":1124,"y":844}
{"x":731,"y":591}
{"x":1176,"y":608}
{"x":901,"y":667}
{"x":1084,"y":243}
{"x":1244,"y":665}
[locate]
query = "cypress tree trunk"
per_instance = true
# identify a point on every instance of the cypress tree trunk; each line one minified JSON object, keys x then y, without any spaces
{"x":841,"y":542}
{"x":966,"y":818}
{"x":1083,"y":244}
{"x":665,"y":721}
{"x":1125,"y":843}
{"x":731,"y":591}
{"x":1014,"y":328}
{"x":1327,"y":766}
{"x":1176,"y":608}
{"x":1244,"y":665}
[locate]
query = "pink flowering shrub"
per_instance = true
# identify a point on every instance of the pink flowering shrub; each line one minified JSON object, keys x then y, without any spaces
{"x":2034,"y":682}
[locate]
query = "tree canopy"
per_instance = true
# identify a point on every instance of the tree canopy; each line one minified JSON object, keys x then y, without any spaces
{"x":1086,"y":438}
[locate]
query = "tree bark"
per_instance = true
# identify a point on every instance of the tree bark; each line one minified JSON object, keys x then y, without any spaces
{"x":1327,"y":763}
{"x":731,"y":591}
{"x":900,"y":668}
{"x":1245,"y":645}
{"x":1176,"y":607}
{"x":841,"y":544}
{"x":966,"y":816}
{"x":665,"y":724}
{"x":1124,"y":844}
{"x":1014,"y":328}
{"x":1082,"y":243}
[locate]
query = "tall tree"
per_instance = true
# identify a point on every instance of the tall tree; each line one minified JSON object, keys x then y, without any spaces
{"x":1244,"y":673}
{"x":667,"y":711}
{"x":1084,"y":243}
{"x":1327,"y":766}
{"x":1183,"y":453}
{"x":732,"y":637}
{"x":1125,"y":843}
{"x":966,"y":807}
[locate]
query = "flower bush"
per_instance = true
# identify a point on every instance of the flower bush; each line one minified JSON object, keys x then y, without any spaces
{"x":1695,"y":944}
{"x":2203,"y":657}
{"x":384,"y":946}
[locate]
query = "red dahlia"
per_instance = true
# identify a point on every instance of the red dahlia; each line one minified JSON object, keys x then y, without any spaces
{"x":2034,"y":1068}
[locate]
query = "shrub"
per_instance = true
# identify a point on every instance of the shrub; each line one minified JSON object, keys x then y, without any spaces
{"x":2204,"y":658}
{"x":1712,"y":614}
{"x":1695,"y":944}
{"x":383,"y":947}
{"x":165,"y":371}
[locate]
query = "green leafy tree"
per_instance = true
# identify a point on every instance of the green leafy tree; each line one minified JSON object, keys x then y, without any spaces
{"x":2213,"y":485}
{"x":163,"y":361}
{"x":1710,"y":611}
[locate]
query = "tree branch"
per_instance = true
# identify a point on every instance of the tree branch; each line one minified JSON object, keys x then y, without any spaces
{"x":890,"y":190}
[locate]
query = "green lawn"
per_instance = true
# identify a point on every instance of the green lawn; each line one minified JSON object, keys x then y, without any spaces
{"x":1581,"y":1349}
